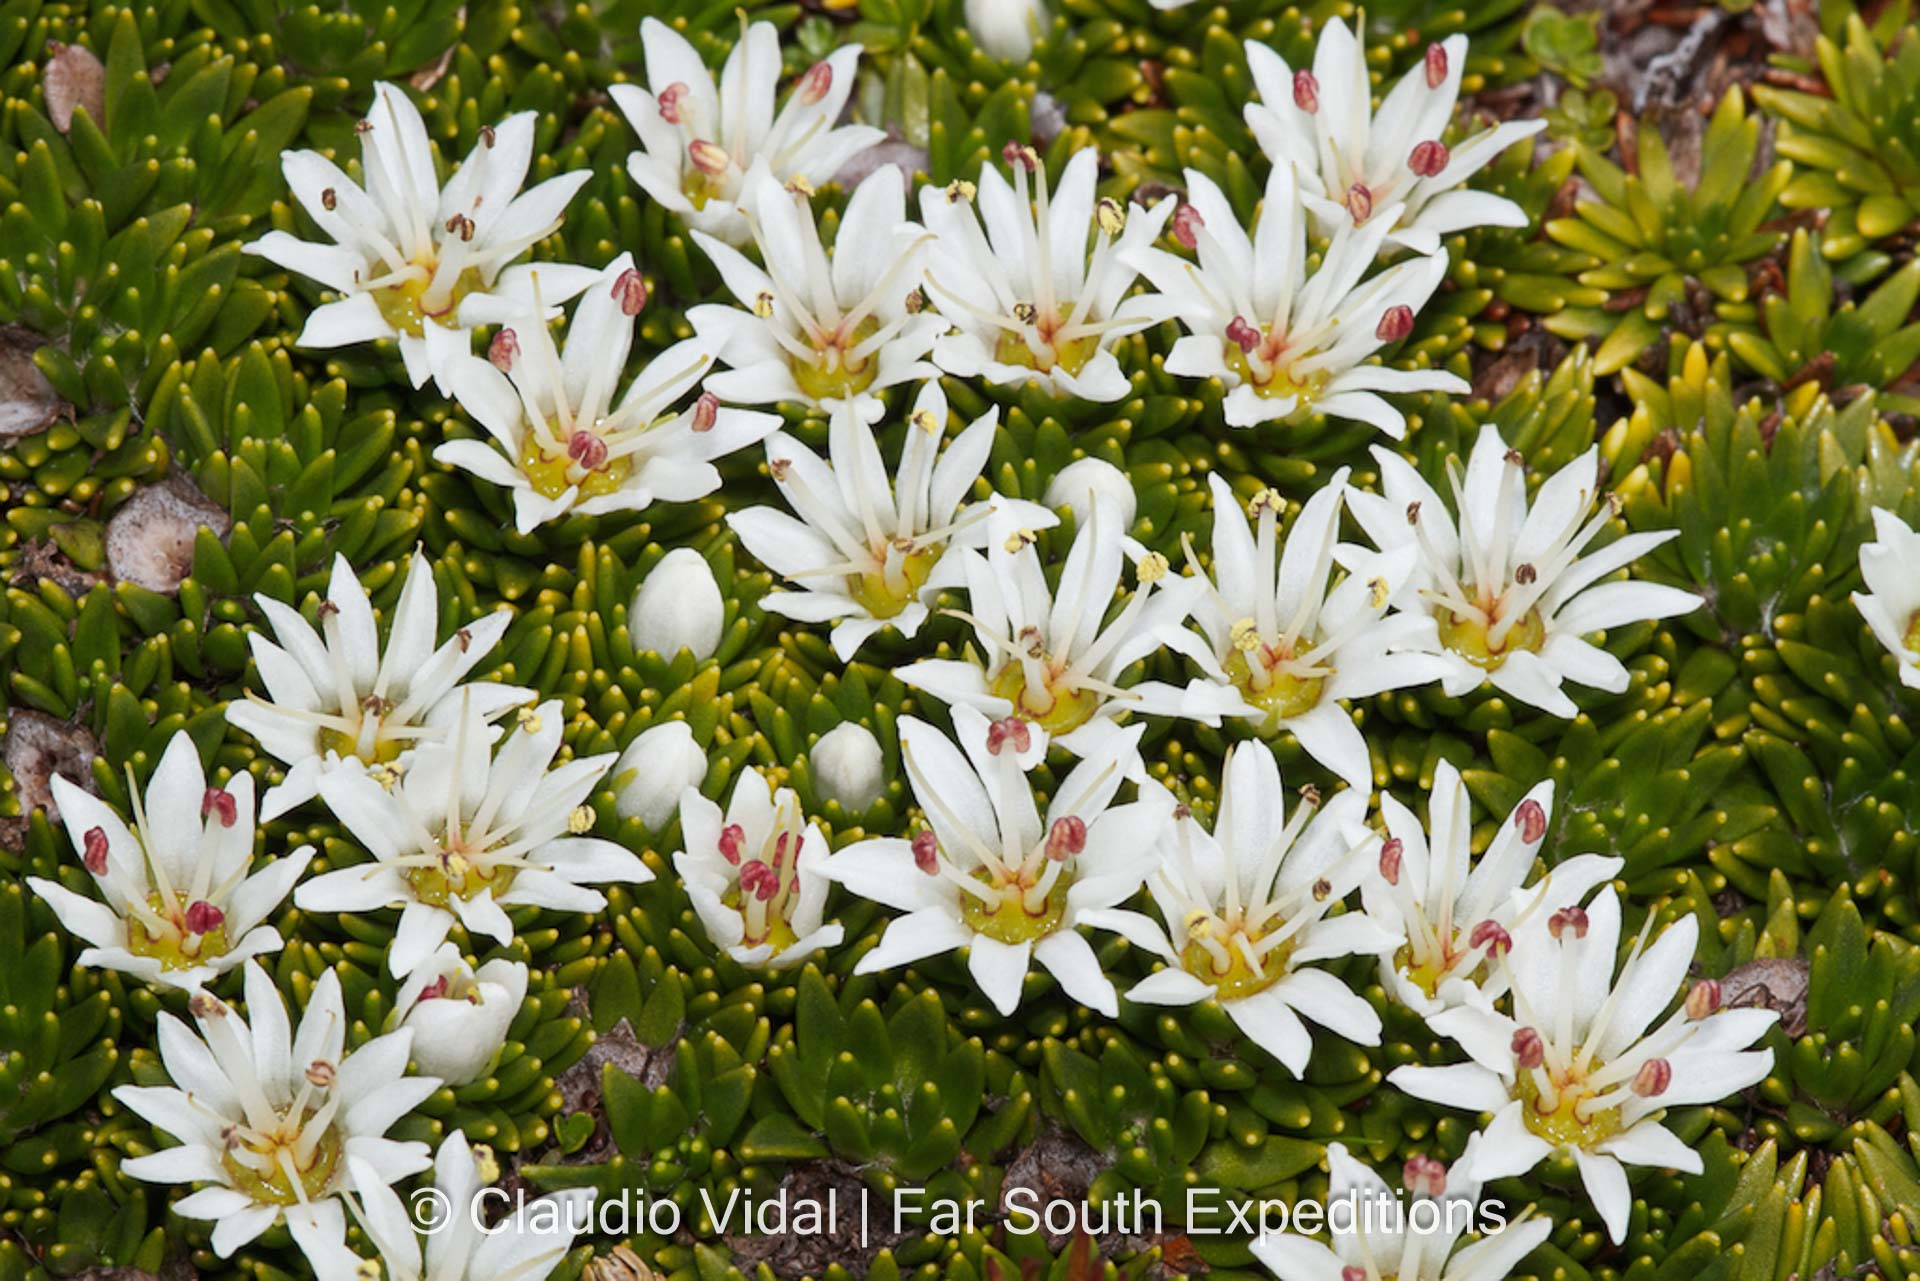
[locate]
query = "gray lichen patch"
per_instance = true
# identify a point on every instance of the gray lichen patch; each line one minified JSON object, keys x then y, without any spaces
{"x":150,"y":539}
{"x":36,"y":748}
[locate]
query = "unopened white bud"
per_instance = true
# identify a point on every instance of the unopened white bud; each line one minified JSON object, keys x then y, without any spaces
{"x":659,"y":765}
{"x":1005,"y":29}
{"x":678,"y":607}
{"x":848,"y":766}
{"x":1093,"y":481}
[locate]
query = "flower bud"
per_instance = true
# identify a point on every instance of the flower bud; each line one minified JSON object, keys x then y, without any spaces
{"x":94,"y":850}
{"x":1187,"y":223}
{"x":1428,"y":158}
{"x":926,"y":852}
{"x":1306,"y":92}
{"x":203,"y":917}
{"x":678,"y":607}
{"x":849,"y":767}
{"x":1067,"y":838}
{"x":1092,"y":484}
{"x":664,"y":762}
{"x":457,"y":1040}
{"x":1531,"y":819}
{"x":1005,"y":29}
{"x":1396,"y":322}
{"x":1528,"y":1049}
{"x":1653,"y":1078}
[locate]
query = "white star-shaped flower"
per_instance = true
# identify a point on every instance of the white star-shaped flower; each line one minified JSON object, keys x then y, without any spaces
{"x":1386,"y":1236}
{"x":868,"y":551}
{"x":1028,"y":299}
{"x":1052,"y":657}
{"x":526,"y":1245}
{"x":1358,"y":165}
{"x":989,"y":875}
{"x":1506,"y":590}
{"x":1448,"y":913}
{"x":1586,"y":1065}
{"x":563,"y":444}
{"x":416,"y":261}
{"x":754,"y":875}
{"x":271,"y":1119}
{"x":1285,"y":647}
{"x":465,"y":833}
{"x":817,"y":328}
{"x":336,"y":698}
{"x":1890,"y":564}
{"x":1286,"y":343}
{"x":1246,"y":911}
{"x":698,"y":141}
{"x":182,"y":904}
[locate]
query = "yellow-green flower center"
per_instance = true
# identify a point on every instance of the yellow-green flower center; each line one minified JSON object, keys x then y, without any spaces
{"x":777,"y":932}
{"x":1055,"y":710}
{"x":1218,"y":955}
{"x":1913,"y":634}
{"x":551,"y":474}
{"x":1272,"y":375}
{"x":272,"y":1185}
{"x":343,"y":745}
{"x":1070,"y":354}
{"x":1471,"y":638}
{"x":404,"y":305}
{"x":884,"y":595}
{"x":172,"y":944}
{"x":1013,"y":921}
{"x":456,"y":876}
{"x":1265,"y":683}
{"x":1428,"y":971}
{"x":840,"y":372}
{"x":1565,"y":1122}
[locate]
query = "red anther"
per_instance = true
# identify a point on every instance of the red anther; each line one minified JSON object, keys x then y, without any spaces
{"x":504,"y":350}
{"x":1010,"y":729}
{"x":669,"y":101}
{"x":587,"y":449}
{"x":1306,"y":92}
{"x":203,"y":917}
{"x":733,"y":842}
{"x":1568,"y":918}
{"x":1703,"y":998}
{"x":706,"y":411}
{"x":1390,"y":856}
{"x":926,"y":852}
{"x":1067,"y":838}
{"x":94,"y":851}
{"x":1428,"y":158}
{"x":1436,"y":65}
{"x":1653,"y":1078}
{"x":1528,"y":1049}
{"x":1353,"y":1272}
{"x":759,"y":880}
{"x":1396,"y":322}
{"x":1186,"y":225}
{"x":1242,"y":335}
{"x":780,"y":848}
{"x":1531,"y":819}
{"x":707,"y":157}
{"x":1424,"y":1176}
{"x":217,"y":800}
{"x":631,"y":289}
{"x":1491,"y":935}
{"x":1359,"y":203}
{"x":1020,"y":157}
{"x":815,"y":84}
{"x":1413,"y":512}
{"x":434,"y":990}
